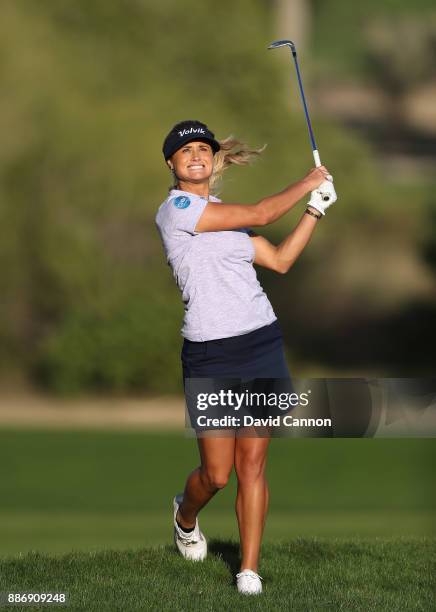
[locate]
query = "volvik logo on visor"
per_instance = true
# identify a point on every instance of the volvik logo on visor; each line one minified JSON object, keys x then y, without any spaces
{"x":192,"y":131}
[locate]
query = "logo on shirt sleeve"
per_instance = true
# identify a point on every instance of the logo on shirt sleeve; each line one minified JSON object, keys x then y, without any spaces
{"x":181,"y":202}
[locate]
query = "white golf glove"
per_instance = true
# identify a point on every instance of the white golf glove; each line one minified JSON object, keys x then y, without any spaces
{"x":323,"y":197}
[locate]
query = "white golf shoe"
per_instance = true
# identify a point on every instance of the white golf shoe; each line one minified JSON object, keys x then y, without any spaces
{"x":248,"y":582}
{"x":191,"y":545}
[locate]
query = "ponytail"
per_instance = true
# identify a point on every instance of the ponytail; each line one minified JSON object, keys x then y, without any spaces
{"x":232,"y":151}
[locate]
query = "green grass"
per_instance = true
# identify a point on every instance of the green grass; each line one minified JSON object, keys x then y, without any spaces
{"x":71,"y":491}
{"x":300,"y":574}
{"x":57,"y":533}
{"x":351,"y":523}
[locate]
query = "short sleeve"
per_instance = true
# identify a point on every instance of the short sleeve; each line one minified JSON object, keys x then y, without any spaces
{"x":179,"y":215}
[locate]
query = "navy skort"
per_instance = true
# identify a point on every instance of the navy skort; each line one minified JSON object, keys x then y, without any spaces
{"x":250,"y":363}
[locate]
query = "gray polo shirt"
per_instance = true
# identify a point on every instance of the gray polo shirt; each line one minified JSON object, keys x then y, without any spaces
{"x":213,"y":270}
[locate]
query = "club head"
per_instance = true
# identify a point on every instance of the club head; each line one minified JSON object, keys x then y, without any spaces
{"x":283,"y":43}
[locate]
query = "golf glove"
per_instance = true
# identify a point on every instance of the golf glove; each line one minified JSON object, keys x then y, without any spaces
{"x":322,"y":197}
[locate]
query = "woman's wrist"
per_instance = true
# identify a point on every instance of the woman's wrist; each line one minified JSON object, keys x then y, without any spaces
{"x":306,"y":185}
{"x":314,"y":211}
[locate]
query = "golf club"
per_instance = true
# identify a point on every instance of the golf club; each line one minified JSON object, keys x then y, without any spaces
{"x":326,"y":188}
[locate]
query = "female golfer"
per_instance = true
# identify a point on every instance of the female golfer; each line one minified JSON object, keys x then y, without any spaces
{"x":229,"y":329}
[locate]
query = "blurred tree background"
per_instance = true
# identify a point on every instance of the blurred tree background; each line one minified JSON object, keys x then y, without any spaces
{"x":90,"y":89}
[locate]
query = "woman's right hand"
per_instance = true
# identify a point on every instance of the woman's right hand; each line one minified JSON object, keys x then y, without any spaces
{"x":315,"y":177}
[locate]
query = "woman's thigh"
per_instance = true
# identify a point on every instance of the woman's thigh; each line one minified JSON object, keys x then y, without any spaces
{"x":251,"y":455}
{"x":217,"y":450}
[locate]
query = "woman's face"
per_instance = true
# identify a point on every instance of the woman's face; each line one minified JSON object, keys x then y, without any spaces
{"x":193,"y":163}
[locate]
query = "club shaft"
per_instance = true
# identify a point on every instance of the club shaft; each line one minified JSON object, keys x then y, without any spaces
{"x":306,"y":112}
{"x":291,"y":45}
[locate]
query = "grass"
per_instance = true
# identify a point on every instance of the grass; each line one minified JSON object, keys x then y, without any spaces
{"x":299,"y":574}
{"x":71,"y":491}
{"x":351,"y":524}
{"x":60,"y":532}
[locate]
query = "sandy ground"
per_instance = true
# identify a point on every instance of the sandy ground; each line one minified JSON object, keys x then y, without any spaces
{"x":36,"y":410}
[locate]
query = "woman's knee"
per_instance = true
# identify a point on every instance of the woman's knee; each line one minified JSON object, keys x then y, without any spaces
{"x":214,"y":479}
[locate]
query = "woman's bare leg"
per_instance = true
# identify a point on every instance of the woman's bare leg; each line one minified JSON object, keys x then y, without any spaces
{"x":252,"y":499}
{"x":217,"y":456}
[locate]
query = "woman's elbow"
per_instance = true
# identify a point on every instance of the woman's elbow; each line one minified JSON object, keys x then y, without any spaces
{"x":262,"y":216}
{"x":282,"y":267}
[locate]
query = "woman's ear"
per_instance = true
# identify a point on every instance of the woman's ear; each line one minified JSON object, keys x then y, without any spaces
{"x":170,"y":165}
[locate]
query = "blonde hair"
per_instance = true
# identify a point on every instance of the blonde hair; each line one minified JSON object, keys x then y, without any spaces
{"x":232,"y":151}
